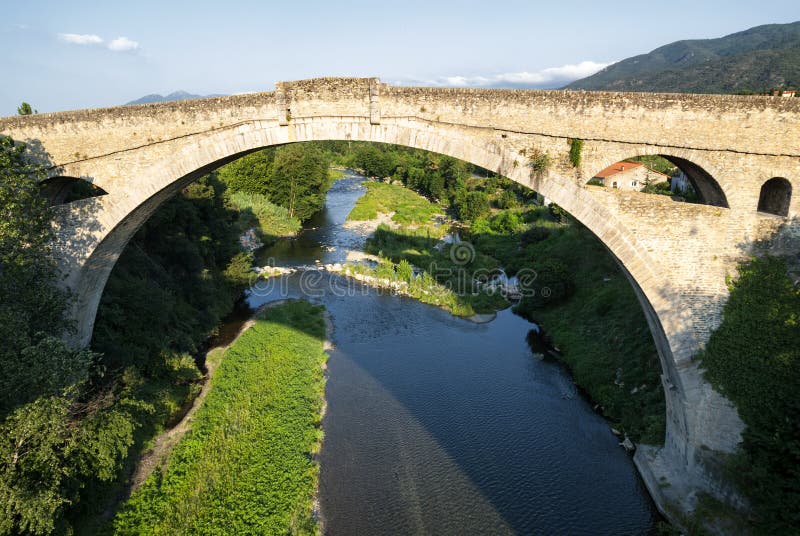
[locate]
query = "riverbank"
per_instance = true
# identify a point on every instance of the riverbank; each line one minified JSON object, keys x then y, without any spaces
{"x":247,"y":465}
{"x":576,"y":291}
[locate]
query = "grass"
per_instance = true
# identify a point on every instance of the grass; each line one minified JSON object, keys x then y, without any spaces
{"x":409,"y":207}
{"x":335,"y":174}
{"x":247,"y":466}
{"x":425,"y":288}
{"x":256,"y":210}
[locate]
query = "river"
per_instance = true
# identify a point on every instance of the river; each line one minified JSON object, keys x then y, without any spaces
{"x":437,"y":425}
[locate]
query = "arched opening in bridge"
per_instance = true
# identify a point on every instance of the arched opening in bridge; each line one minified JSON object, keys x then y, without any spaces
{"x":668,"y":175}
{"x":775,"y":197}
{"x":60,"y":189}
{"x":186,"y":260}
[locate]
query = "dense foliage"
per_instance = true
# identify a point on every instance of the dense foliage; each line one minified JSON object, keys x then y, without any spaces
{"x":437,"y":177}
{"x":246,"y":467}
{"x":754,"y":359}
{"x":255,"y":210}
{"x":293,"y":176}
{"x":58,"y":426}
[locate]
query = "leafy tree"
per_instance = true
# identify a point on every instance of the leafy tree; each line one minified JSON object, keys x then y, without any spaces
{"x":52,"y":433}
{"x":250,"y":173}
{"x":299,"y":180}
{"x":475,"y":205}
{"x":507,"y":199}
{"x":25,"y":109}
{"x":374,"y":162}
{"x":32,"y":309}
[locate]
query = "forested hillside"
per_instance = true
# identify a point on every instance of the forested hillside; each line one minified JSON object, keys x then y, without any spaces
{"x":754,"y":60}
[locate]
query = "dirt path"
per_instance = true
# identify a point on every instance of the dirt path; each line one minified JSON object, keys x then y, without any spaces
{"x":158,"y":455}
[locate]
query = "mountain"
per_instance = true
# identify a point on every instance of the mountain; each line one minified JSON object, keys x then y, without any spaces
{"x":754,"y":60}
{"x":176,"y":95}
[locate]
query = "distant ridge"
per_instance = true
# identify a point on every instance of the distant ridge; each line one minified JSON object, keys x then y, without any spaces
{"x":176,"y":95}
{"x":754,"y":60}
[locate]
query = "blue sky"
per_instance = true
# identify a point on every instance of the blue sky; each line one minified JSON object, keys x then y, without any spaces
{"x":77,"y":54}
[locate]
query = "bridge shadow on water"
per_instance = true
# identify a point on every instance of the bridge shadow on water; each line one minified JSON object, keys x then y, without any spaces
{"x":439,"y":425}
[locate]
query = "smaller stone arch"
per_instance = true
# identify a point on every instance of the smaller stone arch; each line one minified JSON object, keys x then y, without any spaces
{"x":704,"y":187}
{"x":62,"y":189}
{"x":775,"y":196}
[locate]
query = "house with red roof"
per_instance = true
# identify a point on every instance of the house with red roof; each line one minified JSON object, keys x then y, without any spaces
{"x":628,"y":176}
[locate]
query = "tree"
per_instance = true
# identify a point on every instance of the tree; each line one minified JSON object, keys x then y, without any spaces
{"x":299,"y":180}
{"x":46,"y":450}
{"x":250,"y":173}
{"x":475,"y":205}
{"x":25,"y":109}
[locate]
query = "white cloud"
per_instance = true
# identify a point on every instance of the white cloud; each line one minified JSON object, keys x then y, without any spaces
{"x":80,"y":39}
{"x":550,"y":77}
{"x":123,"y":44}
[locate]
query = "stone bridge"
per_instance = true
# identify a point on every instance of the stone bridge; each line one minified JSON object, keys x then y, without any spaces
{"x":742,"y":154}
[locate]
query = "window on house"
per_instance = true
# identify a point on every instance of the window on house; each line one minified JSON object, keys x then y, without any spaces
{"x":614,"y":184}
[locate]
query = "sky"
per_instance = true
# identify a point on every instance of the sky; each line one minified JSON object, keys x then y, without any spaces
{"x":68,"y":55}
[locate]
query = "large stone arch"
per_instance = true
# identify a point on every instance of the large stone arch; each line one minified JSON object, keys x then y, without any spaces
{"x":121,"y":214}
{"x":676,"y":255}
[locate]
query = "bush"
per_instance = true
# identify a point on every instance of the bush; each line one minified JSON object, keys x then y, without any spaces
{"x":533,"y":235}
{"x":475,"y":205}
{"x":539,"y":162}
{"x":507,"y":199}
{"x":506,"y":222}
{"x":575,"y":149}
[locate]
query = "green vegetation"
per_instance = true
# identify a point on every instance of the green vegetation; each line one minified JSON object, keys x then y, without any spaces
{"x":575,"y":149}
{"x":255,"y":210}
{"x":58,"y":426}
{"x":247,"y":466}
{"x":25,"y":109}
{"x":425,"y":288}
{"x":336,"y":174}
{"x":475,"y":204}
{"x":409,"y":207}
{"x":754,"y":60}
{"x":446,"y":279}
{"x":540,"y":162}
{"x":656,"y":163}
{"x":293,"y":176}
{"x":753,"y":358}
{"x":299,"y":180}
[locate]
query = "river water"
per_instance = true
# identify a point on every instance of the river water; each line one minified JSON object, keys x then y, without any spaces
{"x":437,"y":425}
